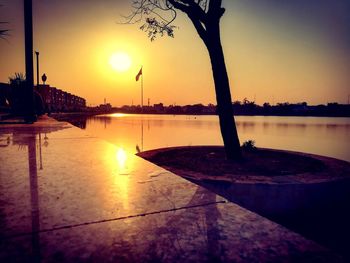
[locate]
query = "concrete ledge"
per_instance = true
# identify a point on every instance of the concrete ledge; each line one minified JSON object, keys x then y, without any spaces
{"x":314,"y":204}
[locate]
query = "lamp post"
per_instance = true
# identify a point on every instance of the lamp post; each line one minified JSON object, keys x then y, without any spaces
{"x":28,"y":39}
{"x":37,"y":68}
{"x":44,"y":78}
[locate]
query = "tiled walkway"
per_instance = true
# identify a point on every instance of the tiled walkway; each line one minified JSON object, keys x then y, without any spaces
{"x":68,"y":197}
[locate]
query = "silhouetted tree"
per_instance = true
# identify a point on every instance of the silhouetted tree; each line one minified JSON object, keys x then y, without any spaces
{"x":266,"y":105}
{"x":158,"y":17}
{"x":18,"y":100}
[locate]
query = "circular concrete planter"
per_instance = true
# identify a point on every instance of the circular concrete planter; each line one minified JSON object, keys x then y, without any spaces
{"x":315,"y":205}
{"x":277,"y":196}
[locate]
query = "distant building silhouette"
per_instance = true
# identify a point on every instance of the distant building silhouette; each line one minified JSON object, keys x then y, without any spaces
{"x":53,"y":99}
{"x":159,"y":108}
{"x":59,"y":100}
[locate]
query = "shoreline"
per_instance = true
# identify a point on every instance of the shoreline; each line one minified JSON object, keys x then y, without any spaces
{"x":60,"y":115}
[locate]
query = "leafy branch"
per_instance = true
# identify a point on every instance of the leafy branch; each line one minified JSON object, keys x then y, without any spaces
{"x":158,"y":16}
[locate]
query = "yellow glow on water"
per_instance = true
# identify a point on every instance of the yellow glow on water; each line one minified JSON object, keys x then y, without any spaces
{"x":118,"y":115}
{"x":121,"y":158}
{"x":122,"y":176}
{"x":120,"y":164}
{"x":121,"y":183}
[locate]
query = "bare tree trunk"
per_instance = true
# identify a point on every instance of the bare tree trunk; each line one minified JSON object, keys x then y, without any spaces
{"x":223,"y":94}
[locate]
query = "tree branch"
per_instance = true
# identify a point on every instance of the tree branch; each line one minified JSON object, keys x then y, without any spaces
{"x":191,"y":8}
{"x":195,"y":13}
{"x":200,"y":28}
{"x":178,"y":5}
{"x":202,"y":13}
{"x":215,"y":11}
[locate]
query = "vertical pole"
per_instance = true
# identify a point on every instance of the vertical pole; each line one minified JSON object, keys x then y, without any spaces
{"x":37,"y":69}
{"x":141,"y":134}
{"x":28,"y":37}
{"x":142,"y":92}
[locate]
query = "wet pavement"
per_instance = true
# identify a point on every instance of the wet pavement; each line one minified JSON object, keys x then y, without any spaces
{"x":66,"y":196}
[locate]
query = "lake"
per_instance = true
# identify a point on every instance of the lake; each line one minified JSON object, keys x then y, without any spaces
{"x":132,"y":132}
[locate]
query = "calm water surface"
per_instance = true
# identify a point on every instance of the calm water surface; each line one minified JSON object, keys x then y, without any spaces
{"x":323,"y":136}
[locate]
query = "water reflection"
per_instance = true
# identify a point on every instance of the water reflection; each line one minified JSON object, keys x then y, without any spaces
{"x":32,"y":142}
{"x":118,"y":115}
{"x":323,"y":136}
{"x":34,"y":196}
{"x":142,"y":134}
{"x":105,"y":184}
{"x":121,"y":163}
{"x":246,"y":126}
{"x":79,"y":122}
{"x":121,"y":158}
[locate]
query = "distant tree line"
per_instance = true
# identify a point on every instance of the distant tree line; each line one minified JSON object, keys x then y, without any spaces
{"x":246,"y":107}
{"x":291,"y":109}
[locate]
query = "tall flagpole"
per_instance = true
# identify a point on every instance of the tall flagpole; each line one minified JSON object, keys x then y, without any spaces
{"x":142,"y":90}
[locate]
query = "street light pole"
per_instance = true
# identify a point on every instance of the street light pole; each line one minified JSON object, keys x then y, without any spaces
{"x":28,"y":39}
{"x":37,"y":69}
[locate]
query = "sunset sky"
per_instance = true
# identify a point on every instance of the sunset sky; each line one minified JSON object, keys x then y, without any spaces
{"x":276,"y":51}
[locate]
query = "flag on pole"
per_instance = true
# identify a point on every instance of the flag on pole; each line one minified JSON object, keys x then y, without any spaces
{"x":139,"y":74}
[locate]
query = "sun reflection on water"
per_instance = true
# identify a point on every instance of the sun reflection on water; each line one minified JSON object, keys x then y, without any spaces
{"x":118,"y":115}
{"x":121,"y":158}
{"x":121,"y":164}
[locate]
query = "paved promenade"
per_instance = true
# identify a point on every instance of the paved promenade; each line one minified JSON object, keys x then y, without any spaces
{"x":68,"y":197}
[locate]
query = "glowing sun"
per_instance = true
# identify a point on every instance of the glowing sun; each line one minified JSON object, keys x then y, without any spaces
{"x":120,"y":61}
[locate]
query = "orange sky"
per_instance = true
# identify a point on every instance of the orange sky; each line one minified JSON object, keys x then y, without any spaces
{"x":271,"y":54}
